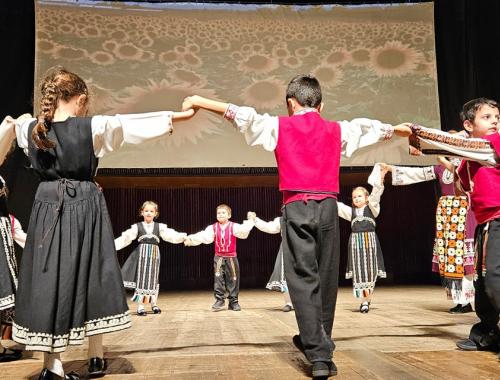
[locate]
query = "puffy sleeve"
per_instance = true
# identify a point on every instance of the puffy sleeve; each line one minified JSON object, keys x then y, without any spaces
{"x":241,"y":231}
{"x":345,"y":211}
{"x":171,"y":235}
{"x":428,"y":141}
{"x":362,"y":132}
{"x":126,"y":237}
{"x":405,"y":175}
{"x":203,"y":237}
{"x":19,"y":234}
{"x":374,"y":199}
{"x":272,"y":227}
{"x":257,"y":129}
{"x":109,"y":133}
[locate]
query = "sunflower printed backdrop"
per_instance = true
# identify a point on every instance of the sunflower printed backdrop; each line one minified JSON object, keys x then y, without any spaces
{"x":372,"y":61}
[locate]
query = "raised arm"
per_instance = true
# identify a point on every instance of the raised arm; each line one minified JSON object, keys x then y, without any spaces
{"x":257,"y":129}
{"x":126,"y":238}
{"x":241,"y":231}
{"x":12,"y":129}
{"x":171,"y":235}
{"x":377,"y":191}
{"x":407,"y":175}
{"x":272,"y":227}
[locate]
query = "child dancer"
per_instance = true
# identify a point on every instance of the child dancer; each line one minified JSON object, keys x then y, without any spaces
{"x":453,"y":252}
{"x":479,"y":176}
{"x":142,"y":268}
{"x":70,"y":284}
{"x":365,"y":260}
{"x":277,"y":280}
{"x":307,"y":149}
{"x":226,"y":266}
{"x":10,"y":231}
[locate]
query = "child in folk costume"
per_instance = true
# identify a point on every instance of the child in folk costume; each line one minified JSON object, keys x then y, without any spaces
{"x":10,"y":232}
{"x":142,"y":269}
{"x":307,"y":148}
{"x":365,"y":260}
{"x":223,"y":234}
{"x":453,"y":252}
{"x":70,"y":284}
{"x":479,"y":176}
{"x":277,"y":281}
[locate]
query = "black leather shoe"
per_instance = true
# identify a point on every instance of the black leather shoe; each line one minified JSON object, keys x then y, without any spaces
{"x":156,"y":310}
{"x":47,"y":375}
{"x":97,"y":367}
{"x":455,"y":309}
{"x":364,"y":307}
{"x":297,"y":342}
{"x":287,"y":308}
{"x":234,"y":306}
{"x":141,"y":312}
{"x":9,"y":355}
{"x":469,"y":345}
{"x":466,"y":309}
{"x":218,"y":305}
{"x":323,"y":370}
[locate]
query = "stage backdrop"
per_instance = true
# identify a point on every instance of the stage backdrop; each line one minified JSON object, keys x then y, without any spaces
{"x":372,"y":61}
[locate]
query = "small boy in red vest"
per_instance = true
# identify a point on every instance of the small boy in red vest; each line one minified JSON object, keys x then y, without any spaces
{"x":308,"y":150}
{"x":223,"y":234}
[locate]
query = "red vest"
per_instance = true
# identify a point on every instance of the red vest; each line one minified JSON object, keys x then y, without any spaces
{"x":308,"y":153}
{"x":485,"y":197}
{"x":224,"y":241}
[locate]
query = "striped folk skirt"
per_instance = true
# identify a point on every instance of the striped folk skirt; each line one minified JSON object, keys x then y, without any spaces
{"x":147,"y":283}
{"x":365,"y":262}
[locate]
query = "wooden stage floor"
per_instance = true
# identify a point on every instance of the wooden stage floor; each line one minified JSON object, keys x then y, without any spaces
{"x":407,"y":335}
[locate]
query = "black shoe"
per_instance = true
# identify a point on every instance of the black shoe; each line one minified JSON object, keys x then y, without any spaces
{"x":141,"y":312}
{"x":287,"y":308}
{"x":97,"y":367}
{"x":455,"y":309}
{"x":364,"y":307}
{"x":218,"y":305}
{"x":234,"y":306}
{"x":156,"y":310}
{"x":47,"y":375}
{"x":469,"y":345}
{"x":466,"y":309}
{"x":297,"y":342}
{"x":323,"y":370}
{"x":9,"y":355}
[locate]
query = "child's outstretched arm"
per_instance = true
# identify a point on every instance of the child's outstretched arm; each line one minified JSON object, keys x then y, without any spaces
{"x":183,"y":115}
{"x":257,"y":129}
{"x":376,"y":194}
{"x":272,"y":227}
{"x":126,"y":238}
{"x":241,"y":231}
{"x":10,"y":130}
{"x":206,"y":236}
{"x":345,"y":211}
{"x":171,"y":235}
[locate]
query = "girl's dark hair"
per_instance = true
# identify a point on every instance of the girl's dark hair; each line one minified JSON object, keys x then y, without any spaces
{"x":59,"y":84}
{"x":470,"y":108}
{"x":306,"y":90}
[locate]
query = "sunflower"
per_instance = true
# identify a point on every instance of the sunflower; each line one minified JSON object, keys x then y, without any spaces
{"x":394,"y":59}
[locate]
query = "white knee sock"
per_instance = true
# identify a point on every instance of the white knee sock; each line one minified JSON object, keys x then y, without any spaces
{"x":95,"y":347}
{"x":53,"y":363}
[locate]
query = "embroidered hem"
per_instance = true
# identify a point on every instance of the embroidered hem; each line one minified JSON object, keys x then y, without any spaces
{"x":7,"y":302}
{"x":37,"y":341}
{"x":277,"y":286}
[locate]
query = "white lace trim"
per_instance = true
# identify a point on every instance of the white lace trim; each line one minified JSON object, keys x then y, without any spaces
{"x":7,"y":302}
{"x":363,"y":219}
{"x":148,"y":236}
{"x":38,"y":341}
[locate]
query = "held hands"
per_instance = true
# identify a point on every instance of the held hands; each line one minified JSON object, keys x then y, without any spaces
{"x":251,"y":216}
{"x":403,"y":130}
{"x":187,"y":241}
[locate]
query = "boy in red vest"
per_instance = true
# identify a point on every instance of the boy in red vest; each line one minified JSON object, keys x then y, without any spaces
{"x":223,"y":234}
{"x":307,"y":149}
{"x":479,"y":176}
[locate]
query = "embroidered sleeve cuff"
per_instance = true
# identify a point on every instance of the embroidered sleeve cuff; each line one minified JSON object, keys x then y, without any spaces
{"x":230,"y":113}
{"x":388,"y":131}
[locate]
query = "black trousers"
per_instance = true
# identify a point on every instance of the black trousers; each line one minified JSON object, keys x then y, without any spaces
{"x":311,"y":259}
{"x":226,"y":278}
{"x":487,"y":287}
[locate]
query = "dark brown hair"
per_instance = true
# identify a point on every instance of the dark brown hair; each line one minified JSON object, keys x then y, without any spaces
{"x":59,"y":84}
{"x":472,"y":106}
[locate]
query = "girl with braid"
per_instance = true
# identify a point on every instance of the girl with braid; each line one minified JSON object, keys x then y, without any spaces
{"x":70,"y":285}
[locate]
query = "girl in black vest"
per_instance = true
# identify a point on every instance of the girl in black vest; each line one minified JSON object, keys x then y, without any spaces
{"x":70,"y":285}
{"x":141,"y":271}
{"x":10,"y":232}
{"x":365,"y":260}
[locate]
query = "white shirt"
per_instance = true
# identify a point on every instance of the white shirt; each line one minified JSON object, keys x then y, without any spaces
{"x":167,"y":234}
{"x":207,"y":236}
{"x":272,"y":227}
{"x":345,"y":212}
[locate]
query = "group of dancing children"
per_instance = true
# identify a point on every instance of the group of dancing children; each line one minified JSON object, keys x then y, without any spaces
{"x":69,"y":272}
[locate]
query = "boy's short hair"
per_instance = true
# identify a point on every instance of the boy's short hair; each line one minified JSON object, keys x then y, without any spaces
{"x":223,"y":205}
{"x":305,"y":89}
{"x":470,"y":108}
